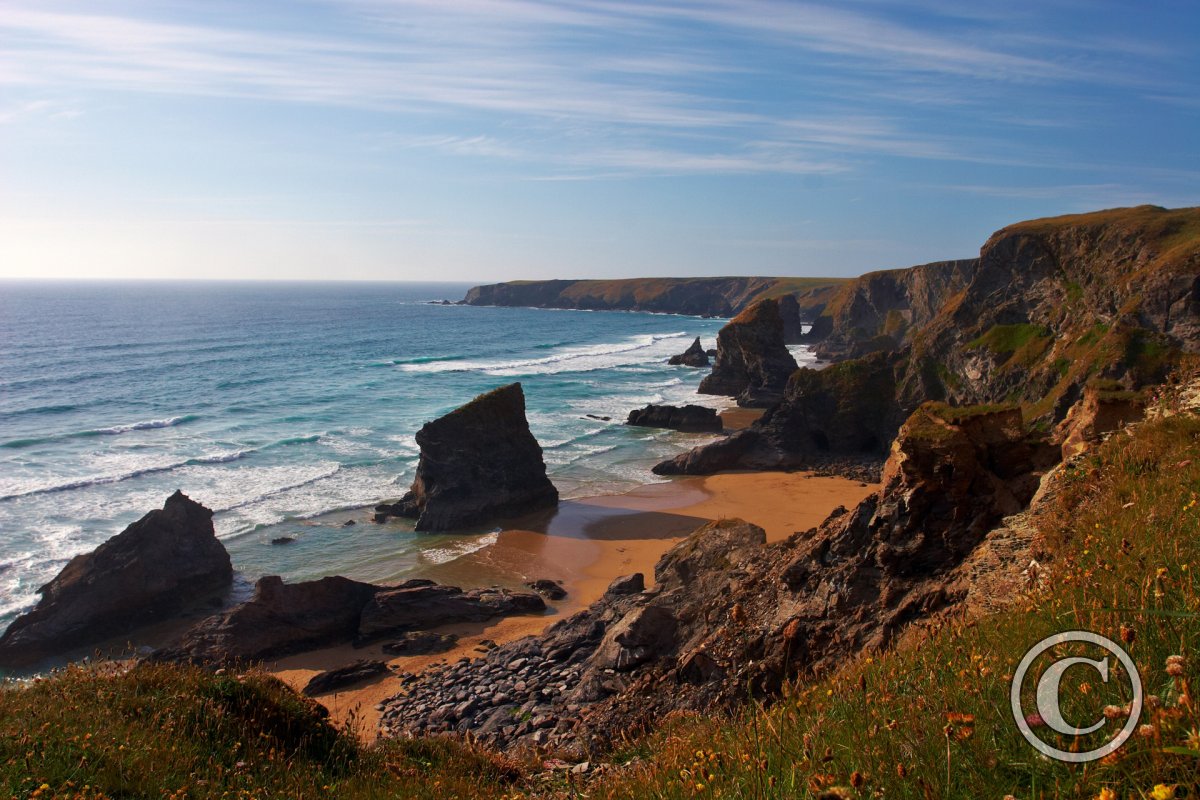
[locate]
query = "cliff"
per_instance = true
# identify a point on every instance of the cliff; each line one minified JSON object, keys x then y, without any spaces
{"x":716,"y":297}
{"x":1051,"y":307}
{"x":882,"y":310}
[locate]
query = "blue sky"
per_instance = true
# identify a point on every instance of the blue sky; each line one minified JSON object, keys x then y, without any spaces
{"x":485,"y":140}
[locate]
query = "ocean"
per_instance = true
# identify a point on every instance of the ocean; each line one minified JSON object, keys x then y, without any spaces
{"x":289,"y":409}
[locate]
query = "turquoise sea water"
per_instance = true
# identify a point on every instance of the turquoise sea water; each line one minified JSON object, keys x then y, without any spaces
{"x":288,"y":408}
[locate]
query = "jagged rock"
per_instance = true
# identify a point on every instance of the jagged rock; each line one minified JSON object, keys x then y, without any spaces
{"x":419,"y":643}
{"x":283,"y":540}
{"x":477,"y":463}
{"x":627,"y":584}
{"x":882,"y":310}
{"x":694,"y":356}
{"x":551,"y":590}
{"x":419,"y":605}
{"x":789,"y":314}
{"x":847,"y":410}
{"x":334,"y":679}
{"x":641,"y":635}
{"x":1100,"y":411}
{"x":689,"y":418}
{"x":753,"y":363}
{"x":280,"y":618}
{"x":168,"y":560}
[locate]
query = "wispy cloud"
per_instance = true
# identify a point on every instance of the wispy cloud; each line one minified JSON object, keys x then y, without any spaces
{"x":603,"y":87}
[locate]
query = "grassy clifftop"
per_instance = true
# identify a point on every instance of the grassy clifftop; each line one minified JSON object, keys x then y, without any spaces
{"x":722,"y":297}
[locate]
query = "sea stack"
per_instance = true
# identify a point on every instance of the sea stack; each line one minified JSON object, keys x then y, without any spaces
{"x":694,"y":356}
{"x":166,"y":561}
{"x":753,"y":362}
{"x":478,"y":463}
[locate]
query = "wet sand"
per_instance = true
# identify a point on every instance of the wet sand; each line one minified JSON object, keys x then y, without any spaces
{"x":734,"y":419}
{"x":585,"y":544}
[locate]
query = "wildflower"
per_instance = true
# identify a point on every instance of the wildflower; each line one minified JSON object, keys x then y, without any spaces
{"x":1114,"y":712}
{"x":1128,"y":634}
{"x":1106,"y":794}
{"x":1175,"y":666}
{"x":1162,"y":792}
{"x":901,"y":771}
{"x":1034,"y":720}
{"x":1145,"y":731}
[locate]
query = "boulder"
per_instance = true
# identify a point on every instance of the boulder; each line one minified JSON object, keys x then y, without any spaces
{"x":165,"y":562}
{"x":420,"y":605}
{"x":551,"y":590}
{"x":643,"y":634}
{"x":627,"y":584}
{"x":689,"y":418}
{"x":753,"y":362}
{"x":334,"y":679}
{"x":694,"y":356}
{"x":280,"y":618}
{"x":420,"y":643}
{"x":477,"y":463}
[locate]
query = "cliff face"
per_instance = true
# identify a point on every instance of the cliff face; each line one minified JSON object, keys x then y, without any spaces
{"x":882,"y":310}
{"x":753,"y":363}
{"x":478,"y":462}
{"x":1051,"y":306}
{"x":718,"y":297}
{"x":1055,"y":303}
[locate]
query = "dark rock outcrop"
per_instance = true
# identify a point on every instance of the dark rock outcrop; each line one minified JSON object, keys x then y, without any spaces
{"x":792,"y":317}
{"x":334,"y":679}
{"x":846,"y":411}
{"x":689,"y":418}
{"x":627,"y":584}
{"x":419,"y":643}
{"x":280,"y":618}
{"x":549,"y":589}
{"x":694,"y":356}
{"x":160,"y":565}
{"x":478,"y":463}
{"x":732,"y":615}
{"x":420,"y":605}
{"x":753,"y":363}
{"x":283,"y":618}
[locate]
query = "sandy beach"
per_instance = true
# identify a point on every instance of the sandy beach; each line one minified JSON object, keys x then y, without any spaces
{"x":585,"y":544}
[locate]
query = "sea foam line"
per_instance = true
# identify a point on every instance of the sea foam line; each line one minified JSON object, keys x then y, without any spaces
{"x":115,"y":430}
{"x":566,"y":355}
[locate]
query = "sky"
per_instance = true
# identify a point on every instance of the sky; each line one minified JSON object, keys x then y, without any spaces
{"x":487,"y":140}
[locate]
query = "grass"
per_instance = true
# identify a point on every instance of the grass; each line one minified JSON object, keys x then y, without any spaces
{"x":929,"y":719}
{"x":1001,"y":339}
{"x":161,"y":731}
